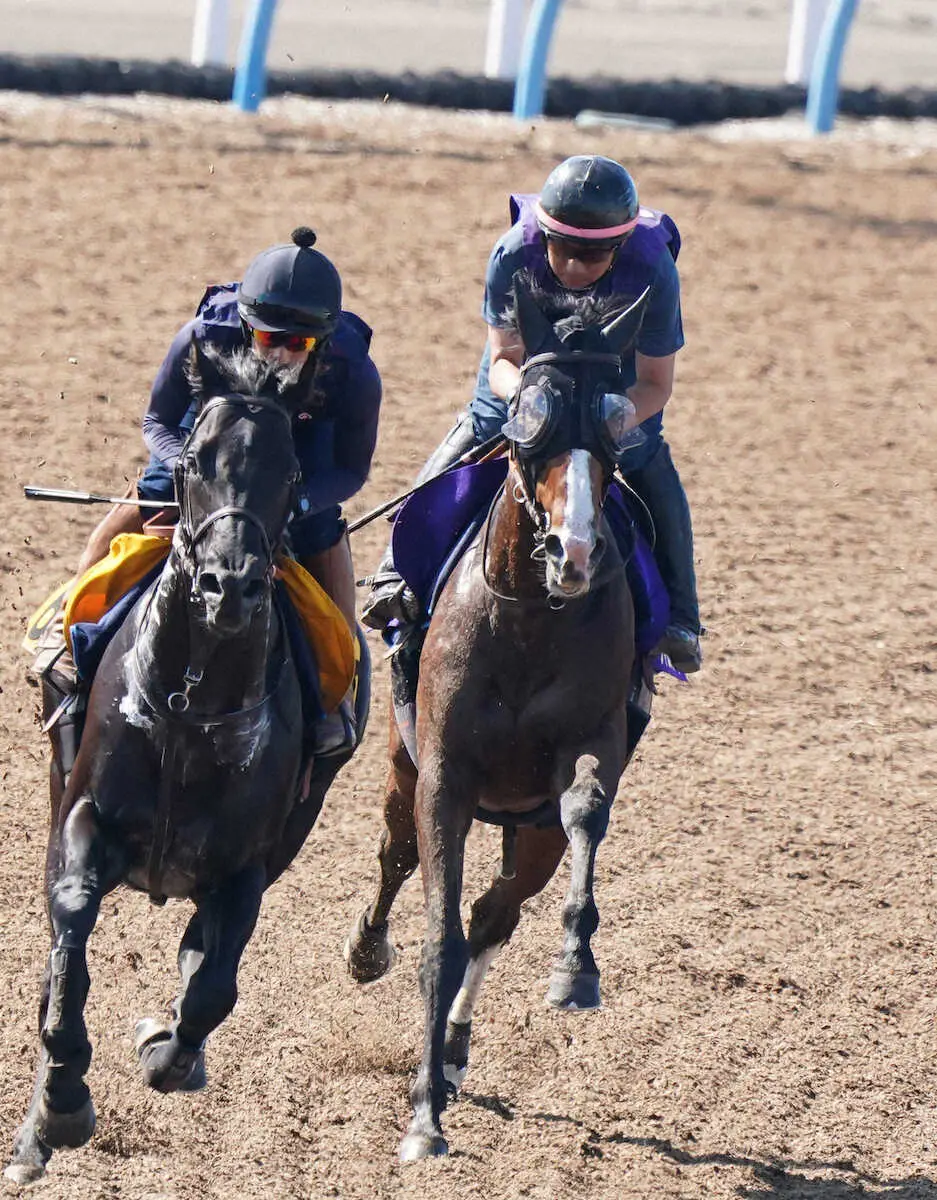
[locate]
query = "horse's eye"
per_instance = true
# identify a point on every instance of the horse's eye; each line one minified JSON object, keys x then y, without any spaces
{"x":190,"y":464}
{"x":532,"y":417}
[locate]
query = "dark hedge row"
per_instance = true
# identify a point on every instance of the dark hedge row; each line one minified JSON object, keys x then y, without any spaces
{"x":682,"y":102}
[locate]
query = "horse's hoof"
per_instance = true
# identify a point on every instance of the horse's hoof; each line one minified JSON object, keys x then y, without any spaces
{"x":416,"y":1146}
{"x":369,"y":952}
{"x":168,"y":1066}
{"x":574,"y":992}
{"x":65,"y":1131}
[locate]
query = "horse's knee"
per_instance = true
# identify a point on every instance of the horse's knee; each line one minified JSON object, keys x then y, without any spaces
{"x":585,"y":805}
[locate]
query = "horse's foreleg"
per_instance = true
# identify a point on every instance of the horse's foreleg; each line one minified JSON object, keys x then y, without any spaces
{"x":494,"y":918}
{"x":442,"y":825}
{"x":173,"y":1056}
{"x":61,"y":1113}
{"x":369,"y":951}
{"x":584,"y":810}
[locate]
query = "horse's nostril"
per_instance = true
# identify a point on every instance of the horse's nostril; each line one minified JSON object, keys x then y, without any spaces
{"x":553,"y":546}
{"x":209,"y":584}
{"x":598,"y":549}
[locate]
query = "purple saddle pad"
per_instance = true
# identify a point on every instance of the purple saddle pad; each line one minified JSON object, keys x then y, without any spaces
{"x":432,"y":522}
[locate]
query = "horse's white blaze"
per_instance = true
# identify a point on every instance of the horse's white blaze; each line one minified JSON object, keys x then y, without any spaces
{"x":577,"y":532}
{"x":464,"y":1004}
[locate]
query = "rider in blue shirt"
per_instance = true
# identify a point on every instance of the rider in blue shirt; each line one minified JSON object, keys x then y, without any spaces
{"x":586,"y":233}
{"x":287,"y":307}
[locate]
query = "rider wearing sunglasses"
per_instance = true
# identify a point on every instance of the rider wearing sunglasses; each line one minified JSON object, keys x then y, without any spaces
{"x":585,"y":232}
{"x":287,"y":307}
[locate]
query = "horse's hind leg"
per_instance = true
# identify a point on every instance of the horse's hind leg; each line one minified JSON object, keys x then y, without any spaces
{"x":584,"y":808}
{"x":61,"y":1113}
{"x":495,"y":915}
{"x":172,"y":1055}
{"x":369,"y":951}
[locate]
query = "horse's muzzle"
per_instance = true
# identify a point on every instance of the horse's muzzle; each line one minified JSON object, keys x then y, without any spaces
{"x":230,"y":599}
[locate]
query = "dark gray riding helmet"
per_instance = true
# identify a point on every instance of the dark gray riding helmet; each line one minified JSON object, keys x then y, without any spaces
{"x":292,"y":289}
{"x":588,"y":199}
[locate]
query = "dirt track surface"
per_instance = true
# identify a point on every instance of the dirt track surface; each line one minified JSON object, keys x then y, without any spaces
{"x":767,"y":887}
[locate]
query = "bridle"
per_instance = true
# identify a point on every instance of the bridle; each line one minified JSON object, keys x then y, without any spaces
{"x":524,"y":482}
{"x":177,"y":704}
{"x":189,"y":537}
{"x":524,"y":485}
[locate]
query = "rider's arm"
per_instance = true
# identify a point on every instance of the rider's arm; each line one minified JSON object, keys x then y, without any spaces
{"x":169,"y":401}
{"x":507,"y":354}
{"x":660,"y":338}
{"x":653,"y":385}
{"x":353,"y":433}
{"x":505,"y":347}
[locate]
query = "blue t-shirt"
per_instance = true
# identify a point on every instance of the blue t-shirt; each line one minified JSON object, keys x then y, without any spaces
{"x":334,"y":443}
{"x":646,"y":259}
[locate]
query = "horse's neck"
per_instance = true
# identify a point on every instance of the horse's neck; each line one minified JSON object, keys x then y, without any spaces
{"x":511,"y":565}
{"x":171,"y":643}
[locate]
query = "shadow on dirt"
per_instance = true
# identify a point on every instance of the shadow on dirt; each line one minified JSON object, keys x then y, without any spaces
{"x":775,"y":1179}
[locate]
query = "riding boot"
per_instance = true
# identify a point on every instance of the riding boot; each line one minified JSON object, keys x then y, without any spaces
{"x":65,"y":703}
{"x":389,"y":598}
{"x":334,"y":572}
{"x":659,"y":486}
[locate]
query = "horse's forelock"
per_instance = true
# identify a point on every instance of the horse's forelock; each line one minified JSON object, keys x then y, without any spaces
{"x":243,"y":372}
{"x":569,"y":311}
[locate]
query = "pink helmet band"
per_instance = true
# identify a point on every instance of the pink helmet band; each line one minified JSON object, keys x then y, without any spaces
{"x":555,"y":226}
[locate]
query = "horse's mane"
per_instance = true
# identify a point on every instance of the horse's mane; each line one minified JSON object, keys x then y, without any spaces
{"x":249,"y":375}
{"x":567,"y":311}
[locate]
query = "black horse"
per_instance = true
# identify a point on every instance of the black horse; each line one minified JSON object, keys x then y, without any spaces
{"x":192,"y":779}
{"x":522,"y":704}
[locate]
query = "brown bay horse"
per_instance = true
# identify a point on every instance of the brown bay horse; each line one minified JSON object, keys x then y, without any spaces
{"x":193,"y":778}
{"x":521,"y":701}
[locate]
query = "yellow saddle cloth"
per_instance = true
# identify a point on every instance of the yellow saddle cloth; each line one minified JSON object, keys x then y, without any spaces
{"x":133,"y":555}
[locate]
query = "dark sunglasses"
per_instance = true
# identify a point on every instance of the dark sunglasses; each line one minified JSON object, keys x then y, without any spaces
{"x":294,"y":342}
{"x":582,"y":252}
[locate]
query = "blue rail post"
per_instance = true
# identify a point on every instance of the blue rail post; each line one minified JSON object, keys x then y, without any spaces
{"x":823,"y":92}
{"x":530,"y":89}
{"x":250,"y":79}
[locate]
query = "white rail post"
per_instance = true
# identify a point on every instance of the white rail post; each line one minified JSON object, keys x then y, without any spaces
{"x":806,"y":24}
{"x":210,"y":33}
{"x":506,"y":20}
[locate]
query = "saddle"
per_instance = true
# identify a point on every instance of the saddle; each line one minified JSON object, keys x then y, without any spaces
{"x":438,"y":523}
{"x":99,"y":601}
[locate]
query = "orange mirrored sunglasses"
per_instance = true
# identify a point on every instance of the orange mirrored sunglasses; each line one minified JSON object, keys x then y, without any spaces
{"x":294,"y":342}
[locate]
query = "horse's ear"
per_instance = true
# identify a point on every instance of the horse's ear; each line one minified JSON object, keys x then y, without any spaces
{"x":536,"y":330}
{"x":202,"y":373}
{"x":621,"y":331}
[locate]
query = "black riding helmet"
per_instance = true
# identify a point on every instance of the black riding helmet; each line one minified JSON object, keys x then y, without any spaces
{"x":292,"y":289}
{"x":588,"y":200}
